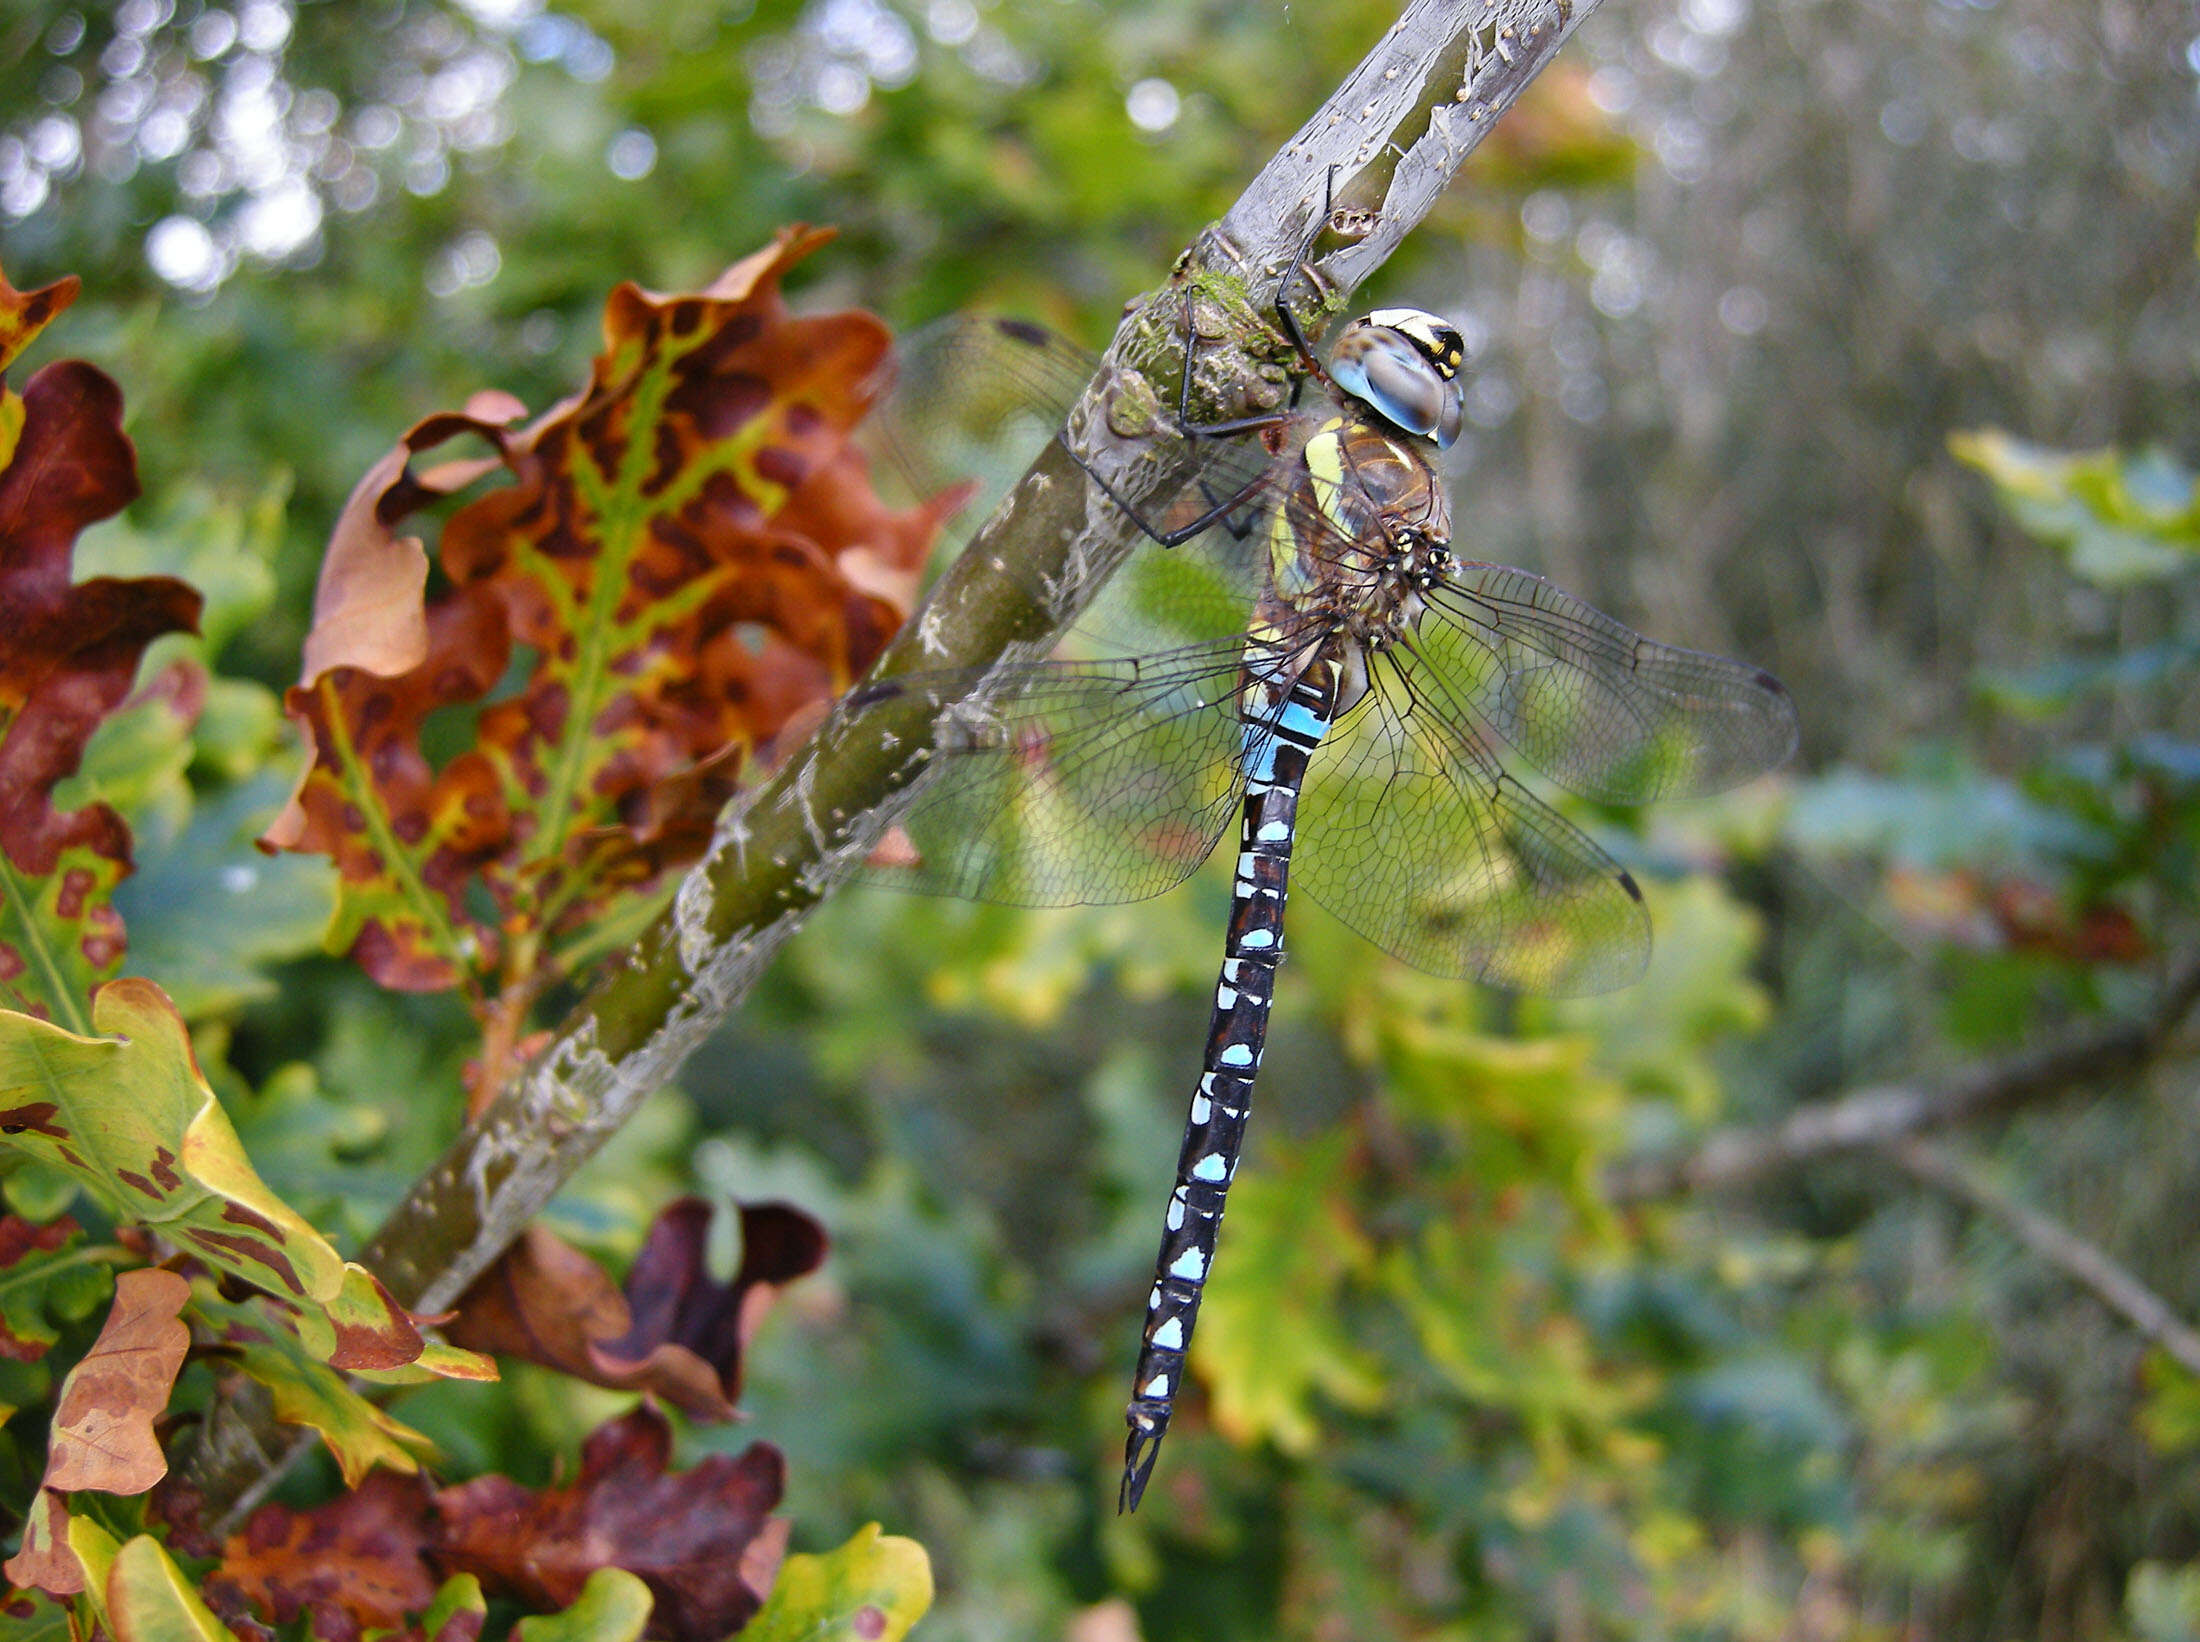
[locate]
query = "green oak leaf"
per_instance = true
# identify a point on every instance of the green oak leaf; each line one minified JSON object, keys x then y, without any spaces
{"x":872,"y":1589}
{"x":47,"y":1272}
{"x":33,"y":1616}
{"x":613,"y":1607}
{"x":206,"y":910}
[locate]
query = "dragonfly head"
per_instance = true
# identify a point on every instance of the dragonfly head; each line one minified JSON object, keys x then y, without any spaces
{"x":1404,"y":365}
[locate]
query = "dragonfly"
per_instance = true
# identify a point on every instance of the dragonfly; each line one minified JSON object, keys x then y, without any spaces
{"x":1301,"y":649}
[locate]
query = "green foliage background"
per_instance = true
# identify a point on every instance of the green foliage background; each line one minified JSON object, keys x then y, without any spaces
{"x":1753,"y":292}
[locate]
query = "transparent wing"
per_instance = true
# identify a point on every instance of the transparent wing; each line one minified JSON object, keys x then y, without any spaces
{"x":1411,"y":832}
{"x":1079,"y":782}
{"x":968,"y":402}
{"x":1596,"y":707}
{"x":1109,"y":773}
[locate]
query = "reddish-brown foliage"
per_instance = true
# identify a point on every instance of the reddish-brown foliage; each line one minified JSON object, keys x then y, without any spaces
{"x":68,"y":653}
{"x":687,"y":556}
{"x":674,"y":1331}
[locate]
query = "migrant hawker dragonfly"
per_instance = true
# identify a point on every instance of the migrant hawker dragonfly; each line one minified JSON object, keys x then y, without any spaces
{"x":1308,"y":654}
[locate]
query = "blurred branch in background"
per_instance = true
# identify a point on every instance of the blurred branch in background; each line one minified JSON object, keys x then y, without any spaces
{"x":1888,"y":1114}
{"x":2084,"y":1263}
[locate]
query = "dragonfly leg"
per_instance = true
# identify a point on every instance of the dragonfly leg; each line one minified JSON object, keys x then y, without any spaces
{"x":1302,"y":268}
{"x":1229,"y":426}
{"x":1219,"y":508}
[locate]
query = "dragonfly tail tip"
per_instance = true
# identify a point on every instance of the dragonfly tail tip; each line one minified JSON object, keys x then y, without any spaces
{"x":1139,"y":1455}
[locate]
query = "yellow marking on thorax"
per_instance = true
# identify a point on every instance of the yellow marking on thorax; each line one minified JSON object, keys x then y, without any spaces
{"x":1323,"y":455}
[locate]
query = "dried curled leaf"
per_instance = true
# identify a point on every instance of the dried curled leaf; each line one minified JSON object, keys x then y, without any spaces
{"x":703,"y":1540}
{"x":674,"y":1331}
{"x":68,"y":654}
{"x":103,"y":1425}
{"x":44,"y":1562}
{"x":688,"y":554}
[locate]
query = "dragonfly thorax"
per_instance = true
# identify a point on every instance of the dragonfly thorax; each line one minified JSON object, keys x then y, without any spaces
{"x":1404,"y":364}
{"x":1384,"y":538}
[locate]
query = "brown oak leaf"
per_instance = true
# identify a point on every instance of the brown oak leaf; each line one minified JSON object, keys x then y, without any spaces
{"x":45,"y":1562}
{"x":685,"y":556}
{"x":103,"y":1424}
{"x":362,"y":1561}
{"x":68,"y":653}
{"x":675,"y":1330}
{"x":703,"y":1539}
{"x":678,"y":1306}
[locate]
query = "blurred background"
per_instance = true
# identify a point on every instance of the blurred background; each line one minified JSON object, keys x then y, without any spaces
{"x":1858,"y":340}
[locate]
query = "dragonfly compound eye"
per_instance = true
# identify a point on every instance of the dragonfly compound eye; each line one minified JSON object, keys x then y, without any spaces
{"x":1404,"y":364}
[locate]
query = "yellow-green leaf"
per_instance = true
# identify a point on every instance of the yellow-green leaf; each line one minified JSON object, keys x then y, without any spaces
{"x":613,"y":1607}
{"x":360,"y":1435}
{"x":872,"y":1589}
{"x":150,"y":1600}
{"x":1507,"y":1343}
{"x":459,"y":1595}
{"x":289,"y":1352}
{"x":95,"y":1550}
{"x":2169,"y":1415}
{"x":1270,"y":1332}
{"x":1661,"y":1034}
{"x":129,"y":1115}
{"x":2123,"y":520}
{"x":438,"y":1360}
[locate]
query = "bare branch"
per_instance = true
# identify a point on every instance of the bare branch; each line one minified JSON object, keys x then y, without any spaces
{"x":2087,"y":1264}
{"x":1879,"y":1116}
{"x":1395,"y":133}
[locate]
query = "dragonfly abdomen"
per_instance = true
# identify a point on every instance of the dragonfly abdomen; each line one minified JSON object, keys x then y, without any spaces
{"x":1279,"y":739}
